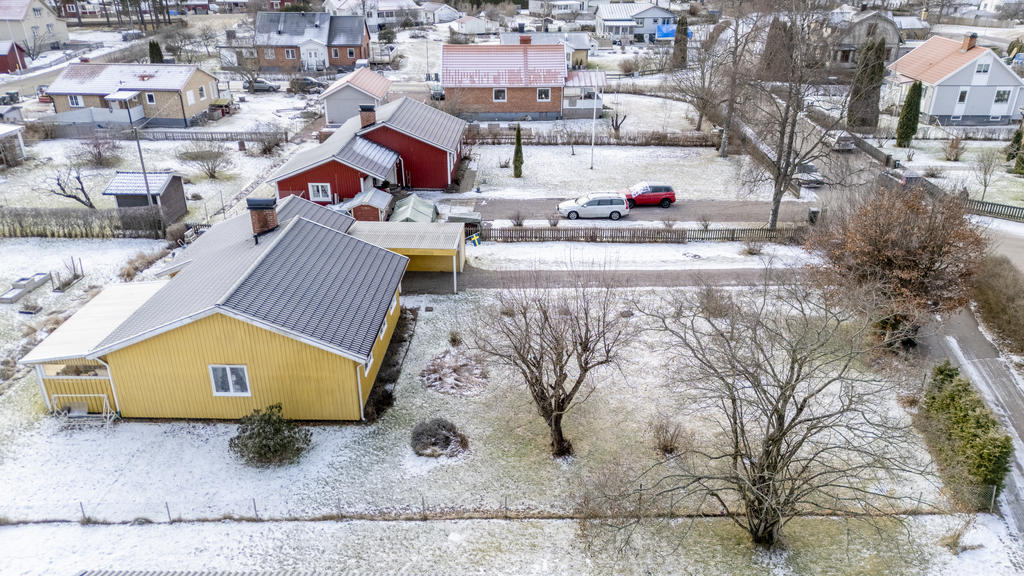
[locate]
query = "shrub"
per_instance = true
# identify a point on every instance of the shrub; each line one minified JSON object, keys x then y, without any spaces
{"x":454,"y":372}
{"x":265,"y":437}
{"x":666,"y":435}
{"x":386,"y":36}
{"x":98,"y":151}
{"x":210,"y":158}
{"x":554,"y":220}
{"x":630,"y":66}
{"x":195,"y":196}
{"x":377,"y":403}
{"x":438,"y":437}
{"x":751,"y":248}
{"x":967,"y":440}
{"x":176,"y":233}
{"x":909,"y":116}
{"x":505,"y":163}
{"x":933,"y":172}
{"x":999,"y":292}
{"x":140,"y":262}
{"x":953,"y":149}
{"x":714,"y":302}
{"x":517,"y":218}
{"x":454,"y":338}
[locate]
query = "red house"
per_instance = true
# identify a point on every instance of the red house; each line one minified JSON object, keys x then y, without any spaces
{"x":403,"y":142}
{"x":12,"y":57}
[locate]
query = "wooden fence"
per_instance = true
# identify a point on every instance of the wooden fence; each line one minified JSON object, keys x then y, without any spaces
{"x":638,"y":235}
{"x":994,"y":210}
{"x":85,"y":131}
{"x":582,"y":138}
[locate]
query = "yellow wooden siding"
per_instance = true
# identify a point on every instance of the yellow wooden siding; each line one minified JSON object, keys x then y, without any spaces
{"x":379,"y":348}
{"x":168,"y":376}
{"x":79,"y":386}
{"x":422,"y":260}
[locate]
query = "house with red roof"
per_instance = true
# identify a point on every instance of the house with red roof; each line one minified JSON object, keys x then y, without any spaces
{"x":517,"y":82}
{"x":962,"y":84}
{"x":403,"y":142}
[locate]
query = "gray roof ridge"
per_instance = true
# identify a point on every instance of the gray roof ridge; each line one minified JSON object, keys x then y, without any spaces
{"x":273,"y":244}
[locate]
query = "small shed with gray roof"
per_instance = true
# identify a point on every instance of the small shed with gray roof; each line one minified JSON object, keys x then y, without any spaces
{"x":165,"y":190}
{"x":371,"y":205}
{"x":430,"y":246}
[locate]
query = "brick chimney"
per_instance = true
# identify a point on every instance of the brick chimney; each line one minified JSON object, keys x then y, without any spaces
{"x":524,"y":39}
{"x":367,"y":115}
{"x":970,"y":41}
{"x":263,"y":214}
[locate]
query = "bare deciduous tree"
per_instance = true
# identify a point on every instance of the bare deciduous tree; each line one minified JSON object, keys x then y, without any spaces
{"x":743,"y":31}
{"x":789,"y":419}
{"x":555,"y":339}
{"x":67,"y":182}
{"x":701,"y":84}
{"x":989,"y":160}
{"x":97,"y":150}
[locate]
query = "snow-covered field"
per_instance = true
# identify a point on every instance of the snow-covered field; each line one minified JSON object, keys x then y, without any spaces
{"x":813,"y":546}
{"x":643,"y":114}
{"x":278,"y":108}
{"x":419,"y":55}
{"x":553,"y":172}
{"x":1004,"y":188}
{"x":25,"y":184}
{"x":587,"y":256}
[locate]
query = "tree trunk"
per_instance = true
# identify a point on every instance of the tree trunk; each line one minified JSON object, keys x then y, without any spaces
{"x":560,"y":446}
{"x":765,"y":533}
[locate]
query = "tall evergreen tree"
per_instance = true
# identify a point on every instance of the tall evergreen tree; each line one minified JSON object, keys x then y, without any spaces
{"x":156,"y":55}
{"x":1015,"y":143}
{"x":517,"y":157}
{"x":867,"y":85}
{"x":679,"y":48}
{"x":778,"y":51}
{"x":907,"y":127}
{"x":1018,"y":166}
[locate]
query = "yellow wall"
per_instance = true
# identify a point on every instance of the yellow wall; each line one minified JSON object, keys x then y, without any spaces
{"x":80,"y":386}
{"x":379,"y":348}
{"x":431,"y":260}
{"x":168,"y":376}
{"x":168,"y":103}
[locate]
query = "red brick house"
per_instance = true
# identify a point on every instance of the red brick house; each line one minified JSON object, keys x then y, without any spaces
{"x":12,"y":57}
{"x":309,"y":41}
{"x":517,"y":82}
{"x":404,"y":142}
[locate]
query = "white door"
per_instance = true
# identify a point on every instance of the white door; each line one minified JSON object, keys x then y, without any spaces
{"x":961,"y":102}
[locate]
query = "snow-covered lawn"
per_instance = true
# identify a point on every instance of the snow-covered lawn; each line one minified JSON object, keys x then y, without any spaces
{"x":553,"y":172}
{"x":135,"y":469}
{"x":536,"y":547}
{"x":644,"y":114}
{"x":587,"y":256}
{"x":1005,"y":188}
{"x":277,"y":108}
{"x":24,"y":185}
{"x":419,"y":55}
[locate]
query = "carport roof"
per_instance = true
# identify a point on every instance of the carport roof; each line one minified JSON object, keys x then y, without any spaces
{"x":410,"y":235}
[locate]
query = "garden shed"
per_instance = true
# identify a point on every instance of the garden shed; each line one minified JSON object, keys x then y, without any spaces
{"x":165,"y":188}
{"x":430,"y":246}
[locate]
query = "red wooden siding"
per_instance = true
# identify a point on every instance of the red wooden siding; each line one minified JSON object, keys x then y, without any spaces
{"x":425,"y":165}
{"x":343,"y":179}
{"x":366,"y":213}
{"x":9,"y":62}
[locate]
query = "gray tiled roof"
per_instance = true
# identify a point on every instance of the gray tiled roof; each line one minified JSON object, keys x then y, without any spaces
{"x":132,"y":183}
{"x":291,"y":28}
{"x":345,"y":147}
{"x":277,"y":269}
{"x":345,"y":31}
{"x":423,"y":122}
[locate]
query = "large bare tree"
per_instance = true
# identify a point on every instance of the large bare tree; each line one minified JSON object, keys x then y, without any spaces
{"x":702,"y":83}
{"x":742,"y":34}
{"x":556,"y":339}
{"x":786,"y":418}
{"x":67,"y":182}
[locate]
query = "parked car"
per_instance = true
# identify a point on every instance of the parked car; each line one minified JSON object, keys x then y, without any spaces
{"x":610,"y":205}
{"x":807,"y":176}
{"x":839,"y":141}
{"x":644,"y":194}
{"x":307,"y":85}
{"x":261,"y":85}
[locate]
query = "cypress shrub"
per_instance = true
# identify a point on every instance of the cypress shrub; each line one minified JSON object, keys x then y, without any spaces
{"x":907,"y":126}
{"x":1014,"y":148}
{"x":517,"y":157}
{"x":156,"y":55}
{"x":266,"y":437}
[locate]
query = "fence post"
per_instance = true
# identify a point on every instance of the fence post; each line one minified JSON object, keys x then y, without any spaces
{"x":168,"y":508}
{"x":82,"y":508}
{"x":254,"y":510}
{"x":423,"y":506}
{"x":992,"y":503}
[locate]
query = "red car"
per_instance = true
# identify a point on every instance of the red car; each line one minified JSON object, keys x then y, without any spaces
{"x":644,"y":194}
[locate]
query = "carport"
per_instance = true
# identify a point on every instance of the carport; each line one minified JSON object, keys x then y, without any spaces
{"x":430,"y":246}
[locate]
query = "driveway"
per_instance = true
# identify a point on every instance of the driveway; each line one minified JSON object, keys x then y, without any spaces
{"x":682,"y":211}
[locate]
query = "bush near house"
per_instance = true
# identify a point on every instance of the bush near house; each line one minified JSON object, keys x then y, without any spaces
{"x":265,"y":438}
{"x":999,"y":292}
{"x":969,"y":444}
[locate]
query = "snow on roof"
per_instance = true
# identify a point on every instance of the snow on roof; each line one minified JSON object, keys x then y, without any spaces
{"x":9,"y":129}
{"x":410,"y":235}
{"x":477,"y":65}
{"x":373,"y":197}
{"x":346,"y":31}
{"x":132,"y":183}
{"x":910,"y":23}
{"x":574,"y":40}
{"x":13,"y":9}
{"x":5,"y":46}
{"x":934,"y":60}
{"x":291,"y":28}
{"x":365,"y":80}
{"x":89,"y":78}
{"x":380,"y":5}
{"x":76,"y":337}
{"x":586,"y":78}
{"x":628,"y":10}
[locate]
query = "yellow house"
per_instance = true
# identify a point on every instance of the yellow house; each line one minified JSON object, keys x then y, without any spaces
{"x":280,"y":305}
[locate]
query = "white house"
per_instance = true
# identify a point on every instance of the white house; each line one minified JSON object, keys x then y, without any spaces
{"x":471,"y":25}
{"x":963,"y":84}
{"x":379,"y":14}
{"x":343,"y":98}
{"x":632,"y":20}
{"x":33,"y":24}
{"x":438,"y":13}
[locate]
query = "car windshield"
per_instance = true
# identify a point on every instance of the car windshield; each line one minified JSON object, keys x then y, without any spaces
{"x":581,"y":200}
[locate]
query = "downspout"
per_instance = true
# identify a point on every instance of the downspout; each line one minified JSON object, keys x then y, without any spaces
{"x":39,"y":376}
{"x":359,"y":390}
{"x":184,"y":117}
{"x":110,"y":377}
{"x":402,"y":162}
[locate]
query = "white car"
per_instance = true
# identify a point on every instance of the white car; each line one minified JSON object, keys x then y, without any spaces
{"x":610,"y":205}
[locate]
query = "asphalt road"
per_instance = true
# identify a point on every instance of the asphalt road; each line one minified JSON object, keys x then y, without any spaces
{"x":681,"y":211}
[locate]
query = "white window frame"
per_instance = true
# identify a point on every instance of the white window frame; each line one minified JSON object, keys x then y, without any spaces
{"x":394,"y":302}
{"x":37,"y":12}
{"x":318,"y":185}
{"x":228,"y":367}
{"x":269,"y":54}
{"x":49,"y":28}
{"x":276,"y":5}
{"x":75,"y":101}
{"x":213,"y":89}
{"x":995,"y":118}
{"x":494,"y":94}
{"x":368,"y":366}
{"x":956,"y":118}
{"x":995,"y":99}
{"x":72,"y":8}
{"x":190,"y":97}
{"x":202,"y":92}
{"x":335,"y":53}
{"x":982,"y":68}
{"x":965,"y":93}
{"x":383,"y":329}
{"x":288,"y":51}
{"x":539,"y":99}
{"x":351,"y":52}
{"x":150,"y":98}
{"x":251,"y":53}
